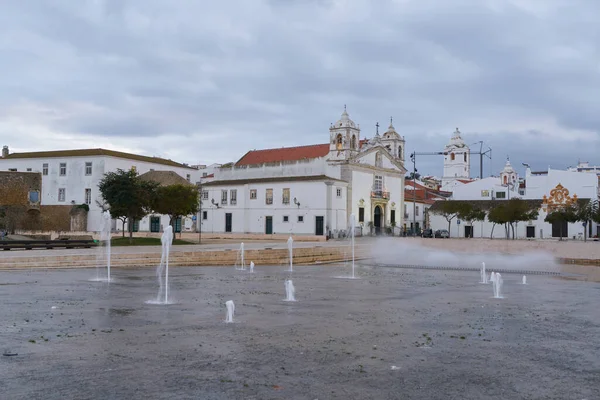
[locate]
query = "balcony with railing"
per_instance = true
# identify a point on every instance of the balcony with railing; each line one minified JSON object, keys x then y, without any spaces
{"x":380,"y":194}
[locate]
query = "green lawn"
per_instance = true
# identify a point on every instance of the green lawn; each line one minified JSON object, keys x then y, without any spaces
{"x":143,"y":241}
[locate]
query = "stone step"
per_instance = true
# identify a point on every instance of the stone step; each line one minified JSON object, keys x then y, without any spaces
{"x":198,"y":258}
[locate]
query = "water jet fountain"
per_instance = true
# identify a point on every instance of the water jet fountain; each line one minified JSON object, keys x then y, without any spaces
{"x":484,"y":278}
{"x":251,"y":266}
{"x":230,"y":310}
{"x":492,"y":277}
{"x":166,"y":241}
{"x":104,"y":256}
{"x":240,"y":258}
{"x":290,"y":243}
{"x":290,"y":291}
{"x":497,"y":285}
{"x":524,"y":280}
{"x":352,"y":233}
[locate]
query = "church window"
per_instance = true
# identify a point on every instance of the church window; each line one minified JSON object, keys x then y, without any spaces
{"x":286,"y":196}
{"x":223,"y":197}
{"x":399,"y":151}
{"x":286,"y":218}
{"x":378,"y":160}
{"x":505,"y":179}
{"x":338,"y":192}
{"x":300,"y":218}
{"x":353,"y":142}
{"x":378,"y":184}
{"x":339,"y":142}
{"x":269,"y":196}
{"x":451,"y":156}
{"x":465,"y":155}
{"x":361,"y":214}
{"x":252,"y":194}
{"x":393,"y":217}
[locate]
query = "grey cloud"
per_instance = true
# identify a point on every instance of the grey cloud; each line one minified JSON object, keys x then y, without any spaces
{"x":276,"y":73}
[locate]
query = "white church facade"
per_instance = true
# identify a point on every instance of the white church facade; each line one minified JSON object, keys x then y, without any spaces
{"x":311,"y":190}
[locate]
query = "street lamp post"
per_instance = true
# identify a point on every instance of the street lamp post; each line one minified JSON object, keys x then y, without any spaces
{"x":199,"y":217}
{"x":413,"y":158}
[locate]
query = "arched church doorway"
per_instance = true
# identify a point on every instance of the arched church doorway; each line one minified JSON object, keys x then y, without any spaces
{"x":377,"y":215}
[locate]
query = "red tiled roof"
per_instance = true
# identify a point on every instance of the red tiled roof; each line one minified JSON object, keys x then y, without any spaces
{"x":410,"y":195}
{"x":284,"y":154}
{"x":410,"y":182}
{"x":465,"y":180}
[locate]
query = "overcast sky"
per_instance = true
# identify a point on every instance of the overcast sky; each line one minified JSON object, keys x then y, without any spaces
{"x":203,"y":81}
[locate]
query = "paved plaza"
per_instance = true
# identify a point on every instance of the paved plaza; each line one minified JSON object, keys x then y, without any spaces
{"x":392,"y":334}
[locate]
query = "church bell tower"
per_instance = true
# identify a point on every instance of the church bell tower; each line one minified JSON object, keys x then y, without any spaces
{"x":344,"y":138}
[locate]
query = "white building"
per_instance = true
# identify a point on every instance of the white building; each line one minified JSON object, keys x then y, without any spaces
{"x":551,"y":187}
{"x":72,"y":177}
{"x":457,"y":162}
{"x":585,"y":167}
{"x":492,"y":188}
{"x":311,"y":190}
{"x":418,"y":199}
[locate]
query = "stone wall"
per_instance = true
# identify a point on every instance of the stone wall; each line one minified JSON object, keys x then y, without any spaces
{"x":20,"y":194}
{"x":56,"y":218}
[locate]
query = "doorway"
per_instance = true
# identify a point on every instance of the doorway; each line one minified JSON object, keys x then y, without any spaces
{"x":319,"y":226}
{"x":228,"y":224}
{"x":177,"y":227}
{"x":468,"y":231}
{"x":377,"y":220}
{"x":530,"y":233}
{"x":154,"y":224}
{"x":269,"y":225}
{"x":560,"y":229}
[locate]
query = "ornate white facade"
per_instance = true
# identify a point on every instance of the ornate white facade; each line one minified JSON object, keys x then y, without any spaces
{"x":311,"y":190}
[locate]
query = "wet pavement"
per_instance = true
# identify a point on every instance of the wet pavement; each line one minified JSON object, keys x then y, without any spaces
{"x":393,"y":334}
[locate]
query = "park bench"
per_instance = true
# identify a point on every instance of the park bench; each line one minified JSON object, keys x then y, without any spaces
{"x":47,"y":244}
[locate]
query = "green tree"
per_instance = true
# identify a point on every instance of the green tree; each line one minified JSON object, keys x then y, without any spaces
{"x":585,"y":211}
{"x":510,"y":212}
{"x":176,"y":201}
{"x":451,"y":209}
{"x":596,"y":212}
{"x":498,"y":216}
{"x":561,"y":215}
{"x":127,"y":195}
{"x":518,"y":210}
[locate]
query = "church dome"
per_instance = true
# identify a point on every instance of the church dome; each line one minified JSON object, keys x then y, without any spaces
{"x":508,"y":168}
{"x":456,"y":140}
{"x":391,"y":132}
{"x":344,"y":121}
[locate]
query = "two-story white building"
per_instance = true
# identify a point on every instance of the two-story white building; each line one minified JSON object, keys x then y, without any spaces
{"x":311,"y":190}
{"x":72,"y":177}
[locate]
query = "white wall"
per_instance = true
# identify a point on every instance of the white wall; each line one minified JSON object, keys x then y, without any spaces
{"x":584,"y":185}
{"x":311,"y":167}
{"x":475,"y":190}
{"x":248,"y":215}
{"x":484,"y":229}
